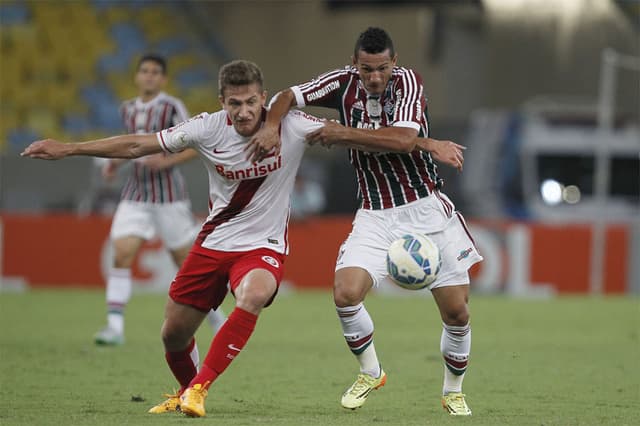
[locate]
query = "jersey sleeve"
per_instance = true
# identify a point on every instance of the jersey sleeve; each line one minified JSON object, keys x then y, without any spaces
{"x":183,"y":135}
{"x":410,"y":100}
{"x":324,"y":90}
{"x":180,"y":113}
{"x":301,"y":123}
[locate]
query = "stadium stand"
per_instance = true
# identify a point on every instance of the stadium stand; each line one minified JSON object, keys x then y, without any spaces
{"x":66,"y":66}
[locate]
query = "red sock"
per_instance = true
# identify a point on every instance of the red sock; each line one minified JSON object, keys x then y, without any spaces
{"x":226,"y":345}
{"x":182,"y":366}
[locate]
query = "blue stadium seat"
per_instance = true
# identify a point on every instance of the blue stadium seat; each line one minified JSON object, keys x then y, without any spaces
{"x":97,"y":94}
{"x":21,"y":137}
{"x":172,"y":46}
{"x":128,"y":37}
{"x":106,"y":117}
{"x":113,"y":62}
{"x":192,"y":77}
{"x":76,"y":124}
{"x":13,"y":14}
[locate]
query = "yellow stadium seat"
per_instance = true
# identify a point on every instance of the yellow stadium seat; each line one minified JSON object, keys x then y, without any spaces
{"x":43,"y":121}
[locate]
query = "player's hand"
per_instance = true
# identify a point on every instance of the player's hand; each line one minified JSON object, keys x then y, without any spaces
{"x":326,"y":135}
{"x":157,"y":162}
{"x":47,"y":149}
{"x":265,"y":141}
{"x":446,"y":152}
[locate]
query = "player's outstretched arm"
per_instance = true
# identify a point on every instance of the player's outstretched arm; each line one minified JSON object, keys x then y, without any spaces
{"x":125,"y":146}
{"x":268,"y":136}
{"x":446,"y":152}
{"x":161,"y":162}
{"x":389,"y":139}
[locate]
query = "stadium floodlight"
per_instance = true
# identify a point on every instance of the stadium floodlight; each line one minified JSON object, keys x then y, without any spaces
{"x":551,"y":191}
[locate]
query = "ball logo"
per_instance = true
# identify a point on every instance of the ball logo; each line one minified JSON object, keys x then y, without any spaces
{"x":271,"y":261}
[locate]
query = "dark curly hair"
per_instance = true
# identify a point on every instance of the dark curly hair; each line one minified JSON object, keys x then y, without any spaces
{"x":374,"y":40}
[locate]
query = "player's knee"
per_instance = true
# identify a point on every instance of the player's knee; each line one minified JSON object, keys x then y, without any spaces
{"x":255,"y":299}
{"x":174,"y":336}
{"x":458,"y":317}
{"x":346,"y":295}
{"x":122,"y":259}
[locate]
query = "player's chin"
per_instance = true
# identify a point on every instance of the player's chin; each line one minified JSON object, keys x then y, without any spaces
{"x":245,"y":128}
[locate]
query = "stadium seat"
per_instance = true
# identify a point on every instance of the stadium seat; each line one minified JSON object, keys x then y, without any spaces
{"x":20,"y":137}
{"x":76,"y":61}
{"x":76,"y":124}
{"x":13,"y":14}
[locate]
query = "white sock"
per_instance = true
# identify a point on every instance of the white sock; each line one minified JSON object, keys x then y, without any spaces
{"x":216,"y":319}
{"x":118,"y":295}
{"x":455,"y":345}
{"x":195,"y":356}
{"x":357,"y":327}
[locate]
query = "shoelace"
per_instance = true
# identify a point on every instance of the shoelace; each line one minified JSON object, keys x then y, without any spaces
{"x":169,"y":395}
{"x":457,"y":402}
{"x":360,"y":385}
{"x":200,"y":391}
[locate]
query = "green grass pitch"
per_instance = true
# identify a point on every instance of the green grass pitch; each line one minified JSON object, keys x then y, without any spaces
{"x":567,"y":361}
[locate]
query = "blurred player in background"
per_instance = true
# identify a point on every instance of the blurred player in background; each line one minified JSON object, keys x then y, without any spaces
{"x":382,"y":109}
{"x":154,"y":199}
{"x":244,"y":240}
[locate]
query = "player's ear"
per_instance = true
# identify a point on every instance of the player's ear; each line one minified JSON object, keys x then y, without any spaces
{"x":264,"y":97}
{"x":394,"y":60}
{"x":221,"y":100}
{"x":354,"y":60}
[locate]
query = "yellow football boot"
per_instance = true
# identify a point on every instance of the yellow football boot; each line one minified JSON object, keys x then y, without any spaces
{"x":357,"y":394}
{"x":455,"y":404}
{"x":192,"y":401}
{"x":170,"y":405}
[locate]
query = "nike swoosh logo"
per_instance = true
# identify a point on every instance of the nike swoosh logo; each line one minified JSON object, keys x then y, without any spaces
{"x":216,"y":151}
{"x":233,"y":348}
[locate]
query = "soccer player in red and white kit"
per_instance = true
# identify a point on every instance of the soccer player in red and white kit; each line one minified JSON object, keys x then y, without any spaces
{"x":244,"y":240}
{"x":384,"y":118}
{"x":154,"y":198}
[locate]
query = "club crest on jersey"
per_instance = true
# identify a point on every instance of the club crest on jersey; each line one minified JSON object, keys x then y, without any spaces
{"x":256,"y":170}
{"x":271,"y":261}
{"x":389,"y":107}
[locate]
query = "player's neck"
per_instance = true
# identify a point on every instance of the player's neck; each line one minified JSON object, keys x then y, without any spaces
{"x":148,"y":96}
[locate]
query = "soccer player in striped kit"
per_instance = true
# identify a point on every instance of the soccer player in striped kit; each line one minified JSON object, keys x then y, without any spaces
{"x":242,"y":245}
{"x":383,"y":117}
{"x":154,"y":198}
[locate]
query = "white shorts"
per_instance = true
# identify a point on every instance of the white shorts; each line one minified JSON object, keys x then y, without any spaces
{"x":374,"y":230}
{"x":172,"y":222}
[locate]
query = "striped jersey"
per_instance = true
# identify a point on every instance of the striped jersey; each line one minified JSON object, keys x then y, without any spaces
{"x":249,"y":202}
{"x":385,"y":179}
{"x":143,"y":184}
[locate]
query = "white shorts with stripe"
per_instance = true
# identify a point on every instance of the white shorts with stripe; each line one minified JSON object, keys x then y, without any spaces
{"x":172,"y":222}
{"x":374,"y":230}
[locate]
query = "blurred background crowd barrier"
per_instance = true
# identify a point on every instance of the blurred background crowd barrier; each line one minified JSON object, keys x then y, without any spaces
{"x":545,"y":94}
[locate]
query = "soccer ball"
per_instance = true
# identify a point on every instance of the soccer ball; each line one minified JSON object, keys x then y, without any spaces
{"x":413,"y":261}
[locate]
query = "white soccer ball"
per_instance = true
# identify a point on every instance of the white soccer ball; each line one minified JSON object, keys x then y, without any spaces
{"x":413,"y":261}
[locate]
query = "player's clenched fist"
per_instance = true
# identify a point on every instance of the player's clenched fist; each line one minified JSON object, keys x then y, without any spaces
{"x":47,"y":149}
{"x":327,"y":135}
